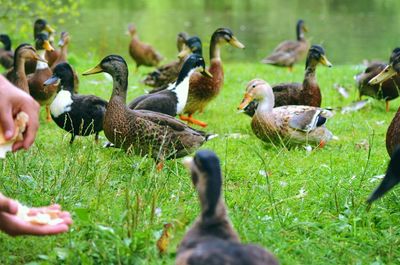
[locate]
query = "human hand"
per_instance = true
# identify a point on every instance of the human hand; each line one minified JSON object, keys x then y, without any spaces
{"x":13,"y":225}
{"x":12,"y":101}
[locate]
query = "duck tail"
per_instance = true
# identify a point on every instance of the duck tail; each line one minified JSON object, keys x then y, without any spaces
{"x":210,"y":136}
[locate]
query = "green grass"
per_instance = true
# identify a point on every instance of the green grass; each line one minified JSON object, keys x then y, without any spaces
{"x":113,"y":196}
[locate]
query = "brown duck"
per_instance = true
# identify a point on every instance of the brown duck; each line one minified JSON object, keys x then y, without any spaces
{"x":6,"y":53}
{"x":42,"y":94}
{"x":287,"y":53}
{"x":16,"y":74}
{"x":142,"y":53}
{"x":203,"y":89}
{"x":62,"y":58}
{"x":307,"y":93}
{"x":212,"y":238}
{"x":144,"y":132}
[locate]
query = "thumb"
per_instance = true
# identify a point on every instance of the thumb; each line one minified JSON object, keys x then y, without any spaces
{"x":7,"y":122}
{"x":8,"y":205}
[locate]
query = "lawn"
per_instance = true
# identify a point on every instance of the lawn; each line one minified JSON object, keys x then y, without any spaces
{"x":306,"y":207}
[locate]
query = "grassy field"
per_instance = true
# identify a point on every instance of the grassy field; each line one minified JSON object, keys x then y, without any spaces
{"x":306,"y":207}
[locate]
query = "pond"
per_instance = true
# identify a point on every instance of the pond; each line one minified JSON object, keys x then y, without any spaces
{"x":351,"y":31}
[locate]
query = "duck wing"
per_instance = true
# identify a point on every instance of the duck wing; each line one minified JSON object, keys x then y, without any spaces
{"x":308,"y":119}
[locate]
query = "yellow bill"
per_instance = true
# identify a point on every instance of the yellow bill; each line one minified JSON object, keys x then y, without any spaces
{"x":386,"y":73}
{"x":246,"y":101}
{"x":236,"y":43}
{"x":94,"y":70}
{"x":323,"y":60}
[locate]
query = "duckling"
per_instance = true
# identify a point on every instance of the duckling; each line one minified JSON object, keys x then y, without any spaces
{"x":77,"y":114}
{"x":308,"y":93}
{"x":391,"y":179}
{"x":144,"y":132}
{"x":287,"y":125}
{"x":212,"y":238}
{"x":40,"y":26}
{"x":16,"y":74}
{"x":166,"y":74}
{"x":6,"y":53}
{"x":287,"y":53}
{"x":63,"y":44}
{"x":43,"y":95}
{"x":202,"y":89}
{"x":382,"y":81}
{"x":142,"y":53}
{"x":172,"y":100}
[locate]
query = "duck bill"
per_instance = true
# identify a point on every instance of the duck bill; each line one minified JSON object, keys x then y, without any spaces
{"x":206,"y":73}
{"x":47,"y":46}
{"x":54,"y":80}
{"x":324,"y":61}
{"x":305,"y":29}
{"x":245,"y":102}
{"x":386,"y":73}
{"x":184,"y":52}
{"x":94,"y":70}
{"x":49,"y":29}
{"x":236,"y":43}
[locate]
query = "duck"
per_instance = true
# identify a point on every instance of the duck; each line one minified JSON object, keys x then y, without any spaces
{"x":167,"y":74}
{"x":307,"y":93}
{"x":380,"y":80}
{"x":391,"y":178}
{"x":212,"y":238}
{"x":287,"y":125}
{"x":6,"y":53}
{"x":16,"y":75}
{"x":289,"y":52}
{"x":63,"y":44}
{"x":143,"y":132}
{"x":142,"y":53}
{"x":39,"y":26}
{"x":81,"y":115}
{"x":42,"y":94}
{"x":202,"y":90}
{"x":172,"y":100}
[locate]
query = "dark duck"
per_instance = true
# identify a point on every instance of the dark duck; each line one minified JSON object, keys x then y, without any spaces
{"x":77,"y":114}
{"x":172,"y":100}
{"x":212,"y":238}
{"x":6,"y":53}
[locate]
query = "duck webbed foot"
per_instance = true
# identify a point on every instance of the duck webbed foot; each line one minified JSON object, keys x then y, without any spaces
{"x":160,"y":166}
{"x":191,"y":120}
{"x":48,"y":116}
{"x":387,"y":105}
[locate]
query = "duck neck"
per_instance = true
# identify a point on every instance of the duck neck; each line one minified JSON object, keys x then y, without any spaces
{"x":41,"y":65}
{"x":215,"y":51}
{"x":309,"y":75}
{"x":120,"y":84}
{"x":68,"y":84}
{"x":266,"y":105}
{"x":299,"y":33}
{"x":63,"y":53}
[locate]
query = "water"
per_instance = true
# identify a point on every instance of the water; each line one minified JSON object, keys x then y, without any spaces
{"x":350,"y":31}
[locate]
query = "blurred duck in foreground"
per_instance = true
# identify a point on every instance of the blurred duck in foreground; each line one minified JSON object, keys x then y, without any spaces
{"x":212,"y":238}
{"x":142,"y":53}
{"x":289,"y":52}
{"x":391,"y":179}
{"x":382,"y":81}
{"x":77,"y":114}
{"x":16,"y":74}
{"x":166,"y":74}
{"x":6,"y":53}
{"x":172,"y":100}
{"x":202,"y":90}
{"x":307,"y":93}
{"x":143,"y":132}
{"x":285,"y":125}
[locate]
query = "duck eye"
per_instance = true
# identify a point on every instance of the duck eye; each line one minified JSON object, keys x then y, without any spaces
{"x":253,"y":86}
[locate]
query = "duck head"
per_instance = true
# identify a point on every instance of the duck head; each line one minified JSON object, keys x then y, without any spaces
{"x":392,"y":69}
{"x":41,"y":25}
{"x":5,"y":39}
{"x":63,"y":77}
{"x":300,"y":29}
{"x":26,"y":52}
{"x":315,"y":56}
{"x":260,"y":91}
{"x":42,"y":42}
{"x":193,"y":62}
{"x":192,"y":45}
{"x":207,"y":179}
{"x":225,"y":35}
{"x":132,"y":29}
{"x":181,"y":39}
{"x":64,"y":39}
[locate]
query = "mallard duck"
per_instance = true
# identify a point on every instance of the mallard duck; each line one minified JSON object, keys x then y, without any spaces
{"x":16,"y":74}
{"x":289,"y":52}
{"x":62,"y":58}
{"x":212,"y":238}
{"x":40,"y":26}
{"x":172,"y":100}
{"x":43,"y":95}
{"x":202,"y":89}
{"x":307,"y":93}
{"x":157,"y":135}
{"x":142,"y":53}
{"x":6,"y":53}
{"x":382,"y":81}
{"x":391,"y":179}
{"x":287,"y":125}
{"x":166,"y":74}
{"x":77,"y":114}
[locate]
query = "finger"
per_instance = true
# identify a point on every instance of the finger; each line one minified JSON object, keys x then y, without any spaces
{"x":43,"y":230}
{"x":7,"y":122}
{"x":31,"y":130}
{"x":8,"y":205}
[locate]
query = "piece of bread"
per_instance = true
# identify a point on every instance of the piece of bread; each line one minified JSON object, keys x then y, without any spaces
{"x":20,"y":126}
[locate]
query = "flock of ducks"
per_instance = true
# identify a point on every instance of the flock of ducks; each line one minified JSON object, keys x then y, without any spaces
{"x":288,"y":114}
